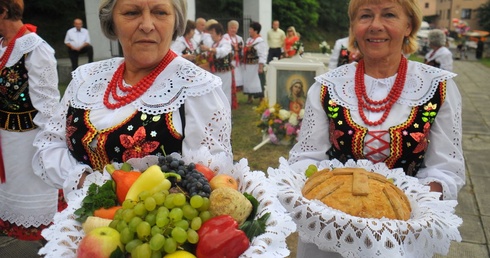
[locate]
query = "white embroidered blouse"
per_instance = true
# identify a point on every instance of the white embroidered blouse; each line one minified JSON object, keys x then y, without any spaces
{"x":207,"y":114}
{"x":444,"y":161}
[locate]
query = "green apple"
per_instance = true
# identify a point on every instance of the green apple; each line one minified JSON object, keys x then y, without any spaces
{"x":100,"y":243}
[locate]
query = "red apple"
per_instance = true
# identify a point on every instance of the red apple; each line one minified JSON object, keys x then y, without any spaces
{"x":100,"y":243}
{"x":206,"y":171}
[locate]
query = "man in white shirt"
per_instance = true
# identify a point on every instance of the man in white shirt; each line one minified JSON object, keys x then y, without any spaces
{"x":77,"y":40}
{"x":199,"y":30}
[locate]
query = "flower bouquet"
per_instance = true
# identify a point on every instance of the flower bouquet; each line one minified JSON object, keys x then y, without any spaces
{"x":279,"y":125}
{"x":431,"y":227}
{"x":324,"y":47}
{"x":299,"y":47}
{"x":64,"y":236}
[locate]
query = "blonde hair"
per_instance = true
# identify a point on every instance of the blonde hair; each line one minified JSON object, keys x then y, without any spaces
{"x":412,"y":9}
{"x":234,"y":22}
{"x":292,"y":29}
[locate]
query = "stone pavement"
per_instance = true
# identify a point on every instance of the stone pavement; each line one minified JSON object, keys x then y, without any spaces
{"x":473,"y":81}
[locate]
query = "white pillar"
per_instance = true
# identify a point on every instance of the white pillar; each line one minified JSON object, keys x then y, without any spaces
{"x":191,"y":10}
{"x":101,"y":44}
{"x":259,"y":11}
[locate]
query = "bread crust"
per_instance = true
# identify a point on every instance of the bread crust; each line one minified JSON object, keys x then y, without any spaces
{"x":359,"y":193}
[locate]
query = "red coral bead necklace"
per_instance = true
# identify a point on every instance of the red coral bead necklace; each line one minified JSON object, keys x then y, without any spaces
{"x":135,"y":91}
{"x":10,"y":47}
{"x":384,"y":105}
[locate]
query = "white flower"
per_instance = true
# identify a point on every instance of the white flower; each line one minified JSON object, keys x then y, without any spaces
{"x":284,"y":114}
{"x":293,"y":119}
{"x":272,"y":110}
{"x":324,"y":44}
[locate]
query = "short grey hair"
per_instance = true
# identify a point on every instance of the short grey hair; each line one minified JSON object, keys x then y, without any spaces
{"x":437,"y":38}
{"x":106,"y":18}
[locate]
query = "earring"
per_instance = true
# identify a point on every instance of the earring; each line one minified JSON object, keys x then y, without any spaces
{"x":355,"y":44}
{"x":407,"y":41}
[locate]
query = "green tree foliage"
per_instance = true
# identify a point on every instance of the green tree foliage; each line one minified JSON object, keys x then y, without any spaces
{"x":333,"y":17}
{"x":483,"y":15}
{"x":53,"y":18}
{"x":302,"y":14}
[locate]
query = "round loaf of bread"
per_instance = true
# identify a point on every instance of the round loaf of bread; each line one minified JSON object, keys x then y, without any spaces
{"x":358,"y":192}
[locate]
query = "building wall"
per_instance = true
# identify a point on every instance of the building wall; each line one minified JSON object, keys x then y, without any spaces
{"x":450,"y":9}
{"x":428,"y":7}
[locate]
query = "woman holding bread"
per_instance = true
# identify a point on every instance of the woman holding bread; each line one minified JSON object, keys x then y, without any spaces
{"x":384,"y":108}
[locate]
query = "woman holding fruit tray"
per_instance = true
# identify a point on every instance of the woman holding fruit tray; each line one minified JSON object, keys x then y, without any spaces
{"x":384,"y":108}
{"x":151,"y":102}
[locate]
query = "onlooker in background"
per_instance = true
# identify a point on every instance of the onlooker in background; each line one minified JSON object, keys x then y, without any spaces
{"x":184,"y":45}
{"x":439,"y":56}
{"x":200,"y":25}
{"x":219,"y":55}
{"x":206,"y":39}
{"x":28,"y":93}
{"x":291,"y":38}
{"x":236,"y":59}
{"x":340,"y":54}
{"x":255,"y":56}
{"x":275,"y":40}
{"x":479,"y":48}
{"x":77,"y":40}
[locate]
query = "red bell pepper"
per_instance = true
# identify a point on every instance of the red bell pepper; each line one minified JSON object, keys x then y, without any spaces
{"x":219,"y":237}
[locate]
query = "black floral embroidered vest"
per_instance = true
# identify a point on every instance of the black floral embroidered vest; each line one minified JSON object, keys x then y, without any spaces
{"x":16,"y":109}
{"x":138,"y":136}
{"x":408,"y":141}
{"x":221,"y":65}
{"x":250,"y":55}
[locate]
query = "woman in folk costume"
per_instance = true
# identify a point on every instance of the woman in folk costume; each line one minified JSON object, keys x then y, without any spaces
{"x":28,"y":93}
{"x":384,"y":108}
{"x":219,"y":57}
{"x":254,"y":57}
{"x":150,"y":102}
{"x":236,"y":59}
{"x":184,"y":45}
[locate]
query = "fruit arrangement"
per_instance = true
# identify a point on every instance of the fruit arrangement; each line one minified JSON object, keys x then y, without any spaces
{"x":170,"y":207}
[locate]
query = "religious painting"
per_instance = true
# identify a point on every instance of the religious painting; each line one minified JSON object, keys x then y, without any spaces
{"x":288,"y":82}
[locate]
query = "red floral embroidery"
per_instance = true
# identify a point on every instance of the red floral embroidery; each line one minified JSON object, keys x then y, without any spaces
{"x":422,"y":139}
{"x":334,"y":135}
{"x":136,"y":146}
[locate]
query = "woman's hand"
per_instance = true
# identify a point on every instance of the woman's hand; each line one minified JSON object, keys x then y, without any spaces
{"x":436,"y":187}
{"x":82,"y":179}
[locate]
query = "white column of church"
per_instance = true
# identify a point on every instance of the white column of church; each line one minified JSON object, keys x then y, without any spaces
{"x":101,"y":44}
{"x":191,"y":10}
{"x":259,"y":11}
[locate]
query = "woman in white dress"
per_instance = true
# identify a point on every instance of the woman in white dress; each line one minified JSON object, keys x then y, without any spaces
{"x":28,"y":93}
{"x":439,"y":56}
{"x":151,"y":102}
{"x":384,"y":108}
{"x":254,"y":57}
